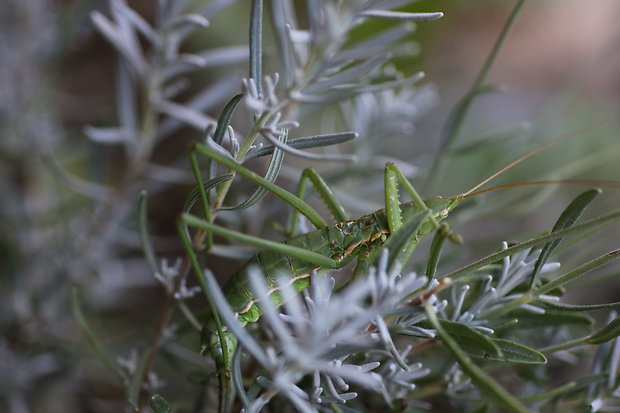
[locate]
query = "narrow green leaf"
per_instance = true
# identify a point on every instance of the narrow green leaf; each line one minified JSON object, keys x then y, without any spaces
{"x":550,"y":318}
{"x":585,"y":226}
{"x":592,"y":307}
{"x":273,"y":170}
{"x":483,"y":381}
{"x":90,"y":335}
{"x":222,"y":124}
{"x":398,"y":242}
{"x":135,"y":383}
{"x":194,"y":195}
{"x":471,"y":341}
{"x":494,"y":138}
{"x":225,"y":118}
{"x":283,"y":194}
{"x":145,"y":239}
{"x":559,"y":391}
{"x":159,"y":404}
{"x":516,"y":353}
{"x":577,"y":272}
{"x":568,"y":217}
{"x":483,"y":408}
{"x":435,"y":251}
{"x":605,"y":334}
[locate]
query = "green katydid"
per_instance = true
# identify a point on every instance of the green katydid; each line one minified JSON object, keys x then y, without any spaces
{"x":328,"y":247}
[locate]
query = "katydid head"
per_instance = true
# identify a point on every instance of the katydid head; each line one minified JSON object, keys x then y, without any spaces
{"x":442,"y":206}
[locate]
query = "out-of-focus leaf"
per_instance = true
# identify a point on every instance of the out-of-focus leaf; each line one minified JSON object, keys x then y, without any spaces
{"x":90,"y":335}
{"x":189,"y":116}
{"x":137,"y":378}
{"x":159,"y":404}
{"x":114,"y":36}
{"x":396,"y":15}
{"x":145,"y":239}
{"x":108,"y":135}
{"x":347,"y":75}
{"x":375,"y":44}
{"x":557,"y":392}
{"x":203,"y":102}
{"x":550,"y":318}
{"x":568,"y":217}
{"x":605,"y":334}
{"x":494,"y":138}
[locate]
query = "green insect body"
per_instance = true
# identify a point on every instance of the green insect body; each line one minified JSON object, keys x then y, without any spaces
{"x":343,"y":242}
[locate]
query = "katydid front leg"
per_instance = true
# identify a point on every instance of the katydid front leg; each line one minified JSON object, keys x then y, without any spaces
{"x":328,"y":197}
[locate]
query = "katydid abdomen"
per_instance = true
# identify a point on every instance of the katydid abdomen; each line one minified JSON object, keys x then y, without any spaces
{"x":341,"y":241}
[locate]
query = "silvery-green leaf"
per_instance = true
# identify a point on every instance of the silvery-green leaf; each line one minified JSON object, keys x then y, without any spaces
{"x":79,"y":185}
{"x":307,"y":155}
{"x":387,"y":4}
{"x":375,"y":44}
{"x":109,"y":135}
{"x":306,"y":142}
{"x":397,"y":15}
{"x":126,"y":98}
{"x":353,"y":73}
{"x":188,"y":19}
{"x":139,"y":23}
{"x":145,"y":239}
{"x":189,"y":116}
{"x":114,"y":36}
{"x":278,"y":22}
{"x":206,"y":100}
{"x":256,"y":43}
